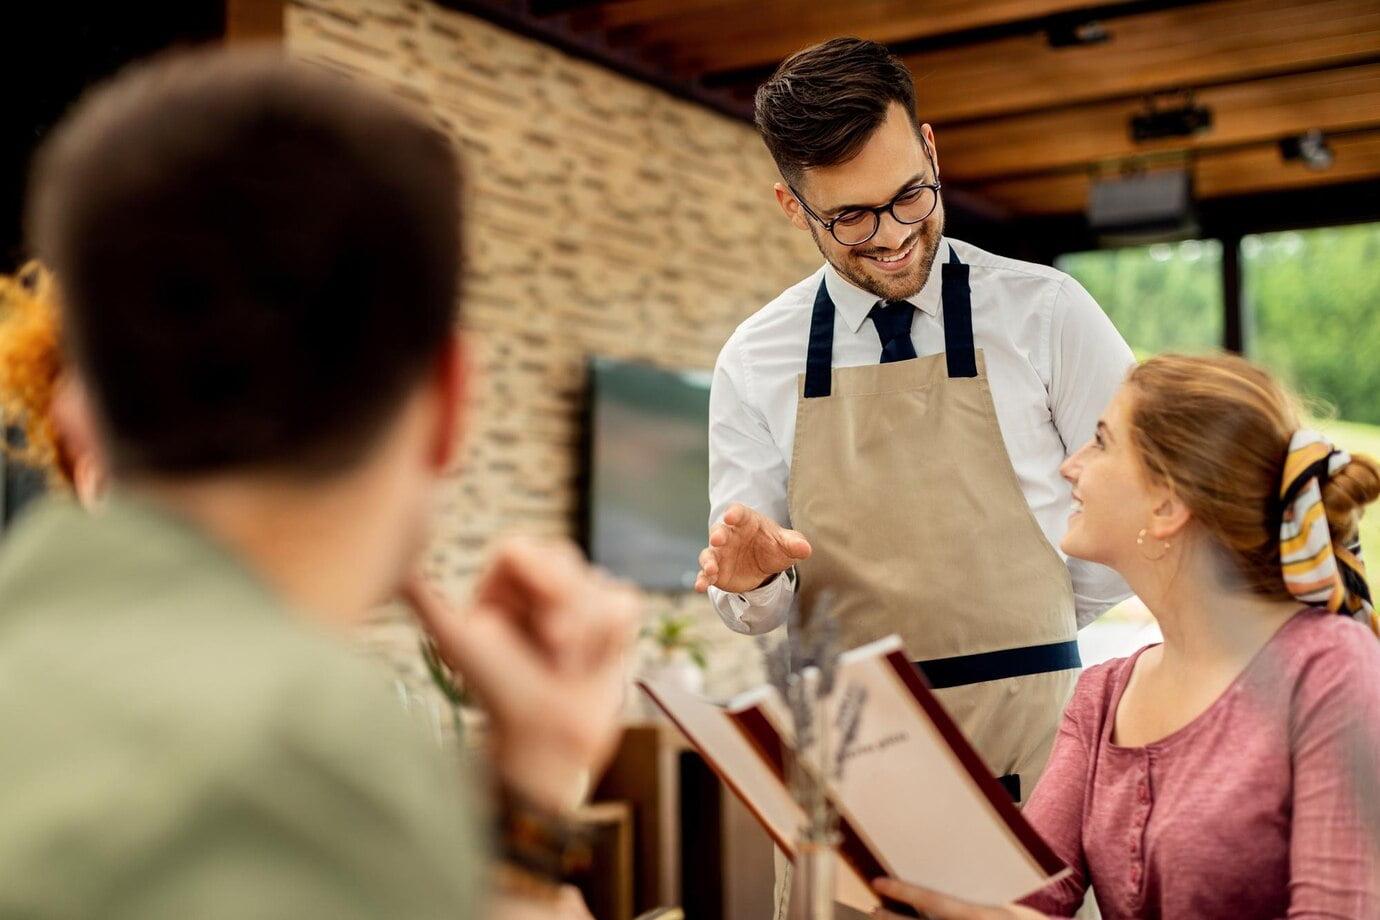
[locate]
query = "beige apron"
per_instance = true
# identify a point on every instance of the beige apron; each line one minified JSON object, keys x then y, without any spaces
{"x":901,"y":482}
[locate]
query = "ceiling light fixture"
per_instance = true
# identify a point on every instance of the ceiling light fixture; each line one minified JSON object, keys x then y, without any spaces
{"x":1068,"y":32}
{"x":1310,"y":147}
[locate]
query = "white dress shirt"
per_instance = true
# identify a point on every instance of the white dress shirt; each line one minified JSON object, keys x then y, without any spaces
{"x":1053,"y":359}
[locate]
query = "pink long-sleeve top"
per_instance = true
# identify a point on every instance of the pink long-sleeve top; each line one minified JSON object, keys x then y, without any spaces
{"x":1266,"y":805}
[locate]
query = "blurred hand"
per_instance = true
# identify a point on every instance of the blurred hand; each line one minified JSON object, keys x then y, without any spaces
{"x":745,"y":549}
{"x":942,"y":907}
{"x":542,"y":647}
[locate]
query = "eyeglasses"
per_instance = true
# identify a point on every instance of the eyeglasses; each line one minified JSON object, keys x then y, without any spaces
{"x":858,"y":225}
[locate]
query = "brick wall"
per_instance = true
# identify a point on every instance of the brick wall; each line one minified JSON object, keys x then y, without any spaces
{"x":603,"y":217}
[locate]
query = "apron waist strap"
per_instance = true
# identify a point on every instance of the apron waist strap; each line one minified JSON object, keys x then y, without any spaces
{"x":962,"y":670}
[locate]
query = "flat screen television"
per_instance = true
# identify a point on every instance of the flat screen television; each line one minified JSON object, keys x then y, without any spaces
{"x":646,"y":500}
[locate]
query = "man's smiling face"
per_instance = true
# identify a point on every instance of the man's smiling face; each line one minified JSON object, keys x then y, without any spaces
{"x":896,"y":262}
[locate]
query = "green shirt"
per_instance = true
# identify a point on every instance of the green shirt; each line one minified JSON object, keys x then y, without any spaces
{"x":174,"y":743}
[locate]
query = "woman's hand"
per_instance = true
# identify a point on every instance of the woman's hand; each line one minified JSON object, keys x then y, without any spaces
{"x":942,"y":907}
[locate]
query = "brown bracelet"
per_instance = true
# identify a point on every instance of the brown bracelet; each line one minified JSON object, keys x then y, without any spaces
{"x":539,"y":841}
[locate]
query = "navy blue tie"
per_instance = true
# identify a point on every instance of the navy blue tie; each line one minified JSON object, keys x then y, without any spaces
{"x":893,"y":328}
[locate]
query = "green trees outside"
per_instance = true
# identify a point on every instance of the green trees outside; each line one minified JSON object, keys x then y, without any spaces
{"x":1312,"y":305}
{"x":1313,"y":314}
{"x":1164,"y":297}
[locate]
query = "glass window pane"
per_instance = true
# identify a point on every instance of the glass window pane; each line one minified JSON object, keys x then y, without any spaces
{"x":1312,"y":299}
{"x":1163,"y":297}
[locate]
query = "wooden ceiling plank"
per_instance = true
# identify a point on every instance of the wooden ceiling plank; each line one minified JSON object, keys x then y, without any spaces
{"x":640,"y":12}
{"x":776,"y":28}
{"x":1222,"y":27}
{"x":1259,"y":110}
{"x":1254,"y":170}
{"x":1218,"y":42}
{"x":1261,"y":169}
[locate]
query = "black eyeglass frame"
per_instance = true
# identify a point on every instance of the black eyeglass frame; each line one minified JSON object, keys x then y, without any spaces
{"x":879,"y":210}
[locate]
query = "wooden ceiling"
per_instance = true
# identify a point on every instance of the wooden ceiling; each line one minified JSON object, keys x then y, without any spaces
{"x":1023,"y":123}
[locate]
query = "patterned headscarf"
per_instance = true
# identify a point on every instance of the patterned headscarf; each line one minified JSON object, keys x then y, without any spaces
{"x":1315,"y":570}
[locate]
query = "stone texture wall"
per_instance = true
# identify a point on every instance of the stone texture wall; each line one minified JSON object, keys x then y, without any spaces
{"x":604,"y":217}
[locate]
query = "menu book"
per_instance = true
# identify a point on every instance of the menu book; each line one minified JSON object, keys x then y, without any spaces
{"x":915,"y":801}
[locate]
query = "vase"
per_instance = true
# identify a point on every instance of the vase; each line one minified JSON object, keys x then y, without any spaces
{"x":675,"y":670}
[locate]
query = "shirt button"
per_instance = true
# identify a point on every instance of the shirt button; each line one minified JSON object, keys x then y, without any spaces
{"x":1143,"y":793}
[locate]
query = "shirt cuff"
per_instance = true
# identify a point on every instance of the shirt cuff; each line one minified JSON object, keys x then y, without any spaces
{"x":766,"y":594}
{"x":757,"y":611}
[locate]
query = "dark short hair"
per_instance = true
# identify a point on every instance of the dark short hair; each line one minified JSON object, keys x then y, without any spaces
{"x":257,"y":260}
{"x":824,"y":102}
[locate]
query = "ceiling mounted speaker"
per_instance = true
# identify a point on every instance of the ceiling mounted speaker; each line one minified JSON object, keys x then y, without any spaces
{"x":1146,"y":206}
{"x":1172,"y":114}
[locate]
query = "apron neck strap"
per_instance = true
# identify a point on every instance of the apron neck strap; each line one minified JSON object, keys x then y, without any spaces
{"x":958,"y":330}
{"x":819,"y":358}
{"x":958,"y":318}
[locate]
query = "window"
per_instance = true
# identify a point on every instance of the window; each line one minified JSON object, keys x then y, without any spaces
{"x":1163,"y":297}
{"x":1311,"y":299}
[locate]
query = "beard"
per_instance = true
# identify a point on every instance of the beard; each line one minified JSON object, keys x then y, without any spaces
{"x":853,"y":265}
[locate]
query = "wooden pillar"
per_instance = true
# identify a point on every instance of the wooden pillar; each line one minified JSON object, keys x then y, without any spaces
{"x":1234,"y":319}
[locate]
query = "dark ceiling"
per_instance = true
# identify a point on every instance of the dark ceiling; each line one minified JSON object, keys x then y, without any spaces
{"x":1031,"y":100}
{"x":53,"y":51}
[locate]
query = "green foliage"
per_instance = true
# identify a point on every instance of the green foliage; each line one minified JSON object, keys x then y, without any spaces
{"x":445,"y":680}
{"x":672,"y":632}
{"x":1313,"y":300}
{"x":1166,"y":297}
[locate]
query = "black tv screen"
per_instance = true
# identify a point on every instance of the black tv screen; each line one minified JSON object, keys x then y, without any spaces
{"x":647,"y":501}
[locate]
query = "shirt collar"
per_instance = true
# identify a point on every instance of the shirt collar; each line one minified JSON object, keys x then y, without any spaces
{"x":853,"y":303}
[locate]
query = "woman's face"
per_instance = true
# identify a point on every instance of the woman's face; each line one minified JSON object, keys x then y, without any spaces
{"x":1112,"y":499}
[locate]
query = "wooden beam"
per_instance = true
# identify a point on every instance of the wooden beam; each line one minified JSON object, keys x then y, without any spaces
{"x":620,"y":13}
{"x":560,"y":32}
{"x":559,"y":7}
{"x":729,"y":36}
{"x":253,"y":21}
{"x":1258,"y":110}
{"x":1255,"y":170}
{"x":1221,"y":42}
{"x":1043,"y":239}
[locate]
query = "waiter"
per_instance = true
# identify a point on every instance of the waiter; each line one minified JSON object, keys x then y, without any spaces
{"x":922,"y":492}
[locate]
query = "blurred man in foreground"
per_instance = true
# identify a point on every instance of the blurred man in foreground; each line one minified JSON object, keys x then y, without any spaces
{"x":259,"y":267}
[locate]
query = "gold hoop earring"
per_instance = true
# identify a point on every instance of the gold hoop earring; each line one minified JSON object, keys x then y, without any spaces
{"x":1140,"y":541}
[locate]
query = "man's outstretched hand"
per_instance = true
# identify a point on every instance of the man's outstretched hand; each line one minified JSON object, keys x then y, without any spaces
{"x":745,"y":549}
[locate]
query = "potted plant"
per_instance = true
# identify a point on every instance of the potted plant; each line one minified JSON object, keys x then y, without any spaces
{"x":680,"y":658}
